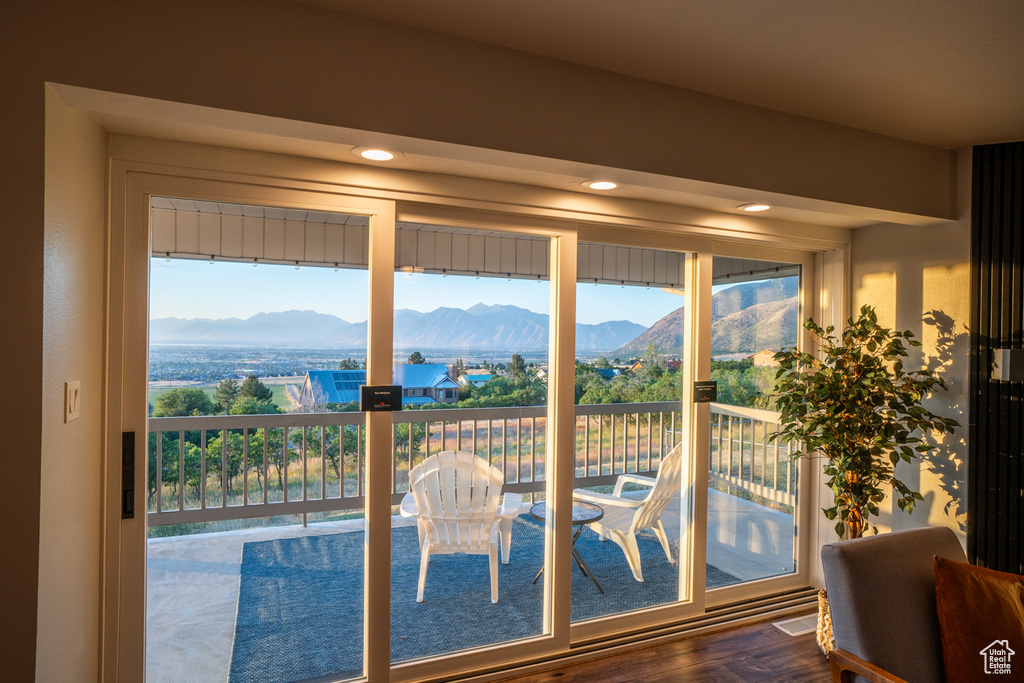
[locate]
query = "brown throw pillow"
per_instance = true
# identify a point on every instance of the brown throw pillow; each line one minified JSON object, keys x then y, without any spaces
{"x":981,"y":618}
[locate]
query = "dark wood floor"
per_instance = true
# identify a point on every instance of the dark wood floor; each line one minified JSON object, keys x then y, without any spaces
{"x":759,"y":652}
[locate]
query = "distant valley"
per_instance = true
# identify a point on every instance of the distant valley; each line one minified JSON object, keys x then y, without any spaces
{"x":479,"y":327}
{"x":745,"y":318}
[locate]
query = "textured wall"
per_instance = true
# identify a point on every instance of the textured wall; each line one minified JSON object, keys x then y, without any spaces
{"x":917,"y":278}
{"x":73,"y":326}
{"x":297,"y":62}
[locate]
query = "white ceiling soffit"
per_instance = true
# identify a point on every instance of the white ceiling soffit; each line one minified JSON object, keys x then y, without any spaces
{"x":220,"y":231}
{"x":132,"y":115}
{"x":943,"y":72}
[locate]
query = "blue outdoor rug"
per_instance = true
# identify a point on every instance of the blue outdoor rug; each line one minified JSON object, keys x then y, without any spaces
{"x":300,"y":603}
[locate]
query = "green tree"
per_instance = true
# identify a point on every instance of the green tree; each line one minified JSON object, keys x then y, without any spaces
{"x":275,"y":448}
{"x":182,"y":402}
{"x":351,"y":364}
{"x":516,"y":367}
{"x":247,"y":405}
{"x":169,"y":453}
{"x":338,"y":442}
{"x":252,"y":387}
{"x":226,"y":394}
{"x":350,"y":407}
{"x":504,"y":392}
{"x":416,"y":358}
{"x":603,"y":363}
{"x":855,"y":406}
{"x":220,"y":449}
{"x":666,"y":387}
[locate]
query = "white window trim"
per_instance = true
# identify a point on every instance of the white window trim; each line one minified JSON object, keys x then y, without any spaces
{"x":141,"y":168}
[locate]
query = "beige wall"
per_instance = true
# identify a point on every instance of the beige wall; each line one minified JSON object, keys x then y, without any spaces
{"x":307,"y":63}
{"x":919,"y":279}
{"x":73,"y":344}
{"x":298,"y":62}
{"x":21,"y":354}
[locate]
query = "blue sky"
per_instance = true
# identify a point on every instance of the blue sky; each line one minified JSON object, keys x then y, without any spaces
{"x":196,"y":289}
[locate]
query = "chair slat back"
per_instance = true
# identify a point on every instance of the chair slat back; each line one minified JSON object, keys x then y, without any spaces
{"x":458,"y":495}
{"x":666,"y":486}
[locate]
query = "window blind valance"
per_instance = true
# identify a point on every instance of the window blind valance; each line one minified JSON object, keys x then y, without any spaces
{"x":193,"y":229}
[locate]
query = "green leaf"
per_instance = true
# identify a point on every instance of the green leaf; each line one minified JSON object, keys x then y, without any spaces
{"x":856,"y":406}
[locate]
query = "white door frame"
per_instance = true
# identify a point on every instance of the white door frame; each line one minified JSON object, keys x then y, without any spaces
{"x":132,"y":186}
{"x":133,"y":182}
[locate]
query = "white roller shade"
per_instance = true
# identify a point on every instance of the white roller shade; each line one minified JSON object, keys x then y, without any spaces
{"x":436,"y":249}
{"x":234,"y":232}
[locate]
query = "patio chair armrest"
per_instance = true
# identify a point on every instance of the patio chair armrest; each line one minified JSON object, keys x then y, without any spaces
{"x":631,"y":479}
{"x":603,"y":499}
{"x":845,"y":664}
{"x":408,"y":507}
{"x":511,"y":505}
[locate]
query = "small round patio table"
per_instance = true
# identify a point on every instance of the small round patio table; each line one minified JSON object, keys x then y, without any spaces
{"x":583,"y":513}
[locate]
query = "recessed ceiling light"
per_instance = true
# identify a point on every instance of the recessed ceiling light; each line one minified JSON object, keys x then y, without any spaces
{"x":600,"y":184}
{"x":375,"y":154}
{"x":753,"y":208}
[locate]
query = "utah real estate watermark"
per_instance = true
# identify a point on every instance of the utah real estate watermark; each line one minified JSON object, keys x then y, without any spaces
{"x":997,"y":657}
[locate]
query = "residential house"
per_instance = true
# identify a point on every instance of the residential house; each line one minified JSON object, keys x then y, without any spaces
{"x":330,"y":386}
{"x":426,"y":383}
{"x":877,"y":163}
{"x":421,"y":385}
{"x":477,"y":380}
{"x":764,"y":358}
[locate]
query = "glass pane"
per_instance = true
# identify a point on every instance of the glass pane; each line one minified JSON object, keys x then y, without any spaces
{"x":752,"y":492}
{"x":631,"y":331}
{"x":471,"y":352}
{"x":255,"y":461}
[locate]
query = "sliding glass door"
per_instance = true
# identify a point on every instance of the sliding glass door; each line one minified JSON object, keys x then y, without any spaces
{"x":256,"y":449}
{"x":470,"y":353}
{"x":634,"y":334}
{"x":753,"y":485}
{"x":554,"y":469}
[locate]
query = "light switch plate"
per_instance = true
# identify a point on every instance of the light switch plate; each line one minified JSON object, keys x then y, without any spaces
{"x":72,"y":400}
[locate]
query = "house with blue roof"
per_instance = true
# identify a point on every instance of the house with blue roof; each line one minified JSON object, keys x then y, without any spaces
{"x":425,"y":383}
{"x":421,"y":385}
{"x":475,"y":380}
{"x":331,"y":386}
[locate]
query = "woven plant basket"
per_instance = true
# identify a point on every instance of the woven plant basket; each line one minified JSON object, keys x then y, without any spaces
{"x":826,"y":641}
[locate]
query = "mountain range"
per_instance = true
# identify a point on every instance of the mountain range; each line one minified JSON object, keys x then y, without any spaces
{"x":744,"y":318}
{"x":478,"y":327}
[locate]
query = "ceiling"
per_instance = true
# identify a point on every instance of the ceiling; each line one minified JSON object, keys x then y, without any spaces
{"x":948,"y":73}
{"x":134,"y":115}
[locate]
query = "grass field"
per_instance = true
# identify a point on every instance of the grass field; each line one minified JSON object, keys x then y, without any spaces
{"x":280,"y":391}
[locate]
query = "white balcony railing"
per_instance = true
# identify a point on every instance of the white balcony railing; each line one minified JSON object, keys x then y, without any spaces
{"x":204,"y":469}
{"x":742,"y":457}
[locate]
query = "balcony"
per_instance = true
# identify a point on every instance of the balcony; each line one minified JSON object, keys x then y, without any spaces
{"x":221,"y":471}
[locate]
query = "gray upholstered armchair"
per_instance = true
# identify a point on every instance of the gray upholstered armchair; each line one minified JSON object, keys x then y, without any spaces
{"x":881,"y":593}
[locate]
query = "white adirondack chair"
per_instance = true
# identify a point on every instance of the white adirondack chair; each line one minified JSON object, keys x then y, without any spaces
{"x":457,"y":497}
{"x":625,"y":516}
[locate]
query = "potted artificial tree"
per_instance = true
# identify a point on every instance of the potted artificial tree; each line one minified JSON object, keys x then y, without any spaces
{"x":855,"y":406}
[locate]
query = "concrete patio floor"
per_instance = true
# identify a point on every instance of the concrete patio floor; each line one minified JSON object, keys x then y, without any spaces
{"x":193,"y":581}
